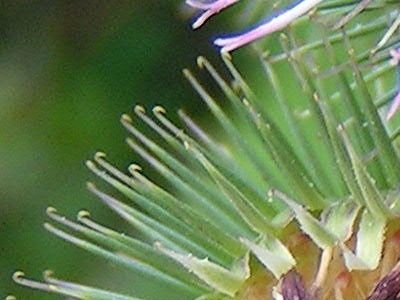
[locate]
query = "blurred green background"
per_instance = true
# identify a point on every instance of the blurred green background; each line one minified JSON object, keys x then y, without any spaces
{"x":68,"y":70}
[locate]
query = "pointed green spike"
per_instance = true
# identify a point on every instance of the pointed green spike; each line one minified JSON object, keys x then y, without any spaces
{"x":340,"y":218}
{"x":200,"y":203}
{"x":288,"y":163}
{"x":370,"y":238}
{"x":137,"y":249}
{"x":123,"y":260}
{"x":68,"y":289}
{"x":310,"y":225}
{"x":220,"y":158}
{"x":166,"y":232}
{"x":248,"y":93}
{"x":372,"y":196}
{"x":182,"y":218}
{"x":342,"y":158}
{"x":349,"y":16}
{"x":298,"y":138}
{"x":388,"y":156}
{"x":307,"y":82}
{"x":229,"y":93}
{"x":361,"y":137}
{"x":256,"y":158}
{"x":208,"y":191}
{"x":217,"y":277}
{"x":213,"y":236}
{"x":272,"y":253}
{"x":149,"y":225}
{"x":244,"y":206}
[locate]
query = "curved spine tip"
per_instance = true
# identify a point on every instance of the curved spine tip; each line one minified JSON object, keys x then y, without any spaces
{"x":125,"y":118}
{"x":18,"y":276}
{"x":134,"y":168}
{"x":225,"y":55}
{"x":99,"y":155}
{"x":83,"y":214}
{"x":90,"y":186}
{"x":51,"y":210}
{"x":159,"y":110}
{"x":48,"y":275}
{"x":201,"y":60}
{"x":139,"y":109}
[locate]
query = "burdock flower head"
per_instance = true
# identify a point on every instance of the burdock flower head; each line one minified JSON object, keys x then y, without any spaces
{"x":293,"y":194}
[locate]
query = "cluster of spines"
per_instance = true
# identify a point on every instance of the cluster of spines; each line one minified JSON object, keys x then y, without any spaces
{"x":229,"y":201}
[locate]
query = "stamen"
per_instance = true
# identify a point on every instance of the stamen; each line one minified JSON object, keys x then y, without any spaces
{"x":273,"y":24}
{"x":210,"y":8}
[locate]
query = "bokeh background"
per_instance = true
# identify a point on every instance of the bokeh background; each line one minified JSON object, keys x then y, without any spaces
{"x":68,"y":70}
